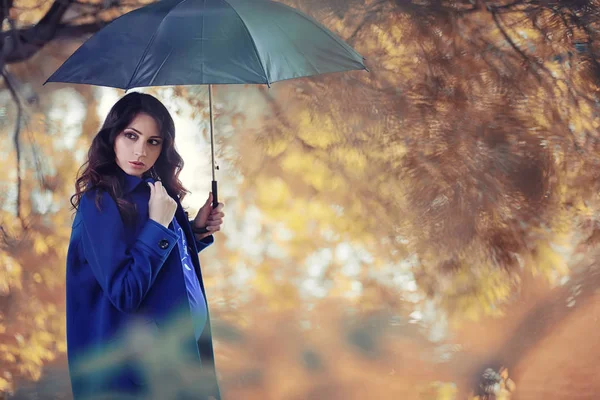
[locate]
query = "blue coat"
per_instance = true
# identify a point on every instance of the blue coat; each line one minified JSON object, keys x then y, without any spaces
{"x":122,"y":276}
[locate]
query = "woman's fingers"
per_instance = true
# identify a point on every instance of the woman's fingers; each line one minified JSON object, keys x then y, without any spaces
{"x":161,"y":189}
{"x":215,"y":219}
{"x":213,"y":228}
{"x":216,"y":216}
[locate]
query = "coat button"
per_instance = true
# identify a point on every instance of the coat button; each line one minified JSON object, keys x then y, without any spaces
{"x":163,"y":244}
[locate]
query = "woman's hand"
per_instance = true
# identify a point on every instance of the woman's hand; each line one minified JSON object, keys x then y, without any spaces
{"x":210,"y":218}
{"x":161,"y":207}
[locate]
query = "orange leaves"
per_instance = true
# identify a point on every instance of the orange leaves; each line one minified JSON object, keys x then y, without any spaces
{"x":33,"y":250}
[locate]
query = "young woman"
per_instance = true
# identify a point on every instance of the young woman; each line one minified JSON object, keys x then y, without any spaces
{"x":138,"y":324}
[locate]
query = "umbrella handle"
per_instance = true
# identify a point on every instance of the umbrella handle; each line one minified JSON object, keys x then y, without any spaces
{"x":215,"y":195}
{"x":215,"y":203}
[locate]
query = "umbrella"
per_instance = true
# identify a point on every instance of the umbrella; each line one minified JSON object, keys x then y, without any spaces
{"x":207,"y":42}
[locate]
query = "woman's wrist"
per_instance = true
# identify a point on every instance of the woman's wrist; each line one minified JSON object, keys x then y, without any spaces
{"x":202,"y":236}
{"x":199,"y":230}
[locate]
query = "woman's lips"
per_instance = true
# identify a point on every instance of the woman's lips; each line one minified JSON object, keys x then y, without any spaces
{"x":136,"y":165}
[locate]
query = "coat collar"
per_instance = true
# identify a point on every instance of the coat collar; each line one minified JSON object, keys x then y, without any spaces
{"x":130,"y":182}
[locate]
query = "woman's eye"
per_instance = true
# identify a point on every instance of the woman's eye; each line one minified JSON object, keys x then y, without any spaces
{"x":155,"y":142}
{"x":130,"y":135}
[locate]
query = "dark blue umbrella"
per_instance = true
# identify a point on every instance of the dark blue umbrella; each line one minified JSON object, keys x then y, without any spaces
{"x":193,"y":42}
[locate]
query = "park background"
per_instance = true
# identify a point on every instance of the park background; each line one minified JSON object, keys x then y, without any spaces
{"x":388,"y":235}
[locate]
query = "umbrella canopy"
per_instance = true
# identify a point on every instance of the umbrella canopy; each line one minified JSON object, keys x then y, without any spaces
{"x":193,"y":42}
{"x":196,"y":42}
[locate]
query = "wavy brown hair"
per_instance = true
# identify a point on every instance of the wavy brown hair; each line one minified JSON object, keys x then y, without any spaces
{"x":100,"y":171}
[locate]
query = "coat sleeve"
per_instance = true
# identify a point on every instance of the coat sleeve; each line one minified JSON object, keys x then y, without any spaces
{"x":204,"y":243}
{"x":125,"y":273}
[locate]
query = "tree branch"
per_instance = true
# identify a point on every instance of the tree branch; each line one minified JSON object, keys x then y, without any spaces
{"x":5,"y":6}
{"x":24,"y":43}
{"x":514,"y":46}
{"x":13,"y":93}
{"x":76,"y":31}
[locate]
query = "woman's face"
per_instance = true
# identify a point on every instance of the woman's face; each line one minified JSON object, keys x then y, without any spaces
{"x":138,"y":146}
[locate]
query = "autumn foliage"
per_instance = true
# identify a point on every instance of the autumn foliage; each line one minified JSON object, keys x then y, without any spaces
{"x":390,"y":234}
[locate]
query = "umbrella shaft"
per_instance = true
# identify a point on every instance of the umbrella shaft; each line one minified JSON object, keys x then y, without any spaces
{"x":212,"y":137}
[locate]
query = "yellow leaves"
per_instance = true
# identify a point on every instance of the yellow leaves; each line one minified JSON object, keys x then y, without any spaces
{"x":323,"y":137}
{"x":275,"y":196}
{"x":318,"y":211}
{"x":30,"y":11}
{"x":263,"y":280}
{"x":388,"y":40}
{"x":319,"y":132}
{"x":273,"y":193}
{"x":549,"y":262}
{"x":37,"y":278}
{"x":393,"y":153}
{"x":276,"y":146}
{"x":10,"y":274}
{"x":5,"y":385}
{"x":27,"y":352}
{"x":352,"y":158}
{"x":61,"y":346}
{"x":9,"y":221}
{"x":343,"y":287}
{"x":439,"y":391}
{"x":305,"y":217}
{"x":34,"y":328}
{"x":475,"y":291}
{"x":40,"y":321}
{"x":447,"y":391}
{"x":311,"y":171}
{"x":280,"y":294}
{"x":31,"y":370}
{"x":39,"y":245}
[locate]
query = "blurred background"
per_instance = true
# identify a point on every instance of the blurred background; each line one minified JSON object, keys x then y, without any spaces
{"x":427,"y":231}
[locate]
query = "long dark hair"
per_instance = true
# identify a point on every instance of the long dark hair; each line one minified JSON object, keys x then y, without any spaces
{"x":100,"y":171}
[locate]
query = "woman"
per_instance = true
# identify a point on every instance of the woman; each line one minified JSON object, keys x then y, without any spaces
{"x":137,"y":320}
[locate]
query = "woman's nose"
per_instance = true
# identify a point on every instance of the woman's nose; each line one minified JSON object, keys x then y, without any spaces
{"x":140,"y":151}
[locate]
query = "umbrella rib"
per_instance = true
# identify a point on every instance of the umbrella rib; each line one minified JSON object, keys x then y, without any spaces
{"x":252,"y":40}
{"x":137,"y":67}
{"x":160,"y":67}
